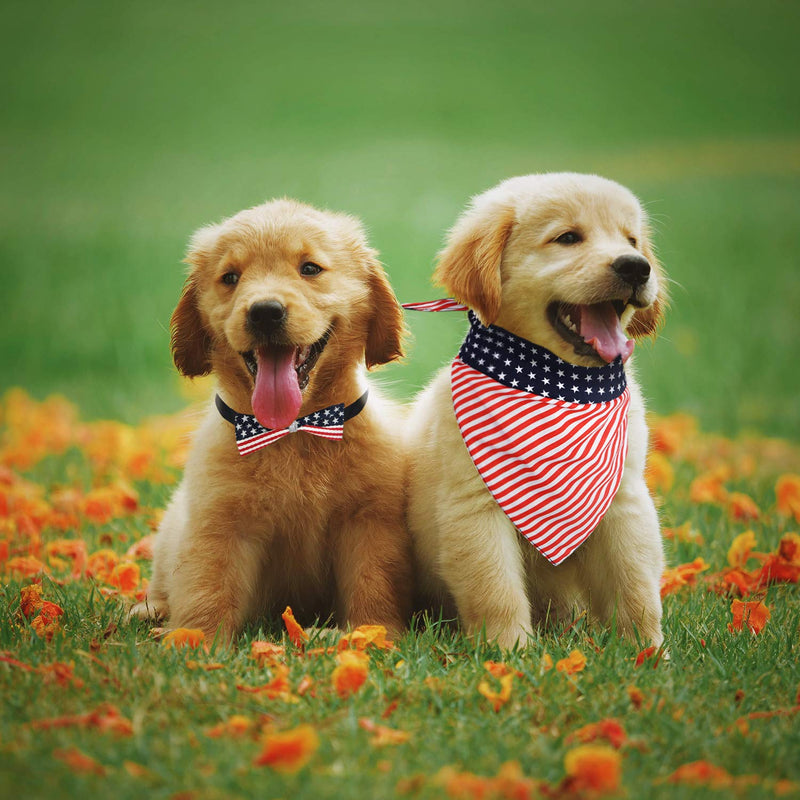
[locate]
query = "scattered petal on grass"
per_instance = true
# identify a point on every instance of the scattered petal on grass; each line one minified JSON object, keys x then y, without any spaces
{"x":235,"y":727}
{"x":609,"y":729}
{"x":704,"y":773}
{"x":646,"y":655}
{"x":106,"y":718}
{"x":366,"y":636}
{"x":185,"y":637}
{"x":143,"y":549}
{"x":510,"y":782}
{"x":636,"y":696}
{"x":753,"y":614}
{"x":383,"y":735}
{"x":349,"y":676}
{"x":593,"y":768}
{"x":740,"y":549}
{"x":266,"y":653}
{"x":101,"y":564}
{"x":742,"y":507}
{"x":574,"y":662}
{"x":24,"y":566}
{"x":79,"y":762}
{"x":278,"y":688}
{"x":709,"y":487}
{"x":289,"y":751}
{"x":297,"y":635}
{"x":125,"y":576}
{"x":787,"y":493}
{"x":683,"y":575}
{"x":497,"y":698}
{"x":684,"y":533}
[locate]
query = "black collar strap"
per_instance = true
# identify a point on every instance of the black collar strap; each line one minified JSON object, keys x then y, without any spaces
{"x":349,"y":411}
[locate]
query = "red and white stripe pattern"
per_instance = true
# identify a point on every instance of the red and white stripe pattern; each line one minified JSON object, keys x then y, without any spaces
{"x":548,"y":438}
{"x":553,"y":466}
{"x":447,"y":304}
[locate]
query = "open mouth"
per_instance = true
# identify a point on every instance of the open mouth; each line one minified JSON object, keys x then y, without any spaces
{"x":280,"y":374}
{"x":596,"y":330}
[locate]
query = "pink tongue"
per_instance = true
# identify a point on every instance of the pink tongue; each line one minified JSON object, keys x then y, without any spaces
{"x":276,"y":399}
{"x":601,"y":329}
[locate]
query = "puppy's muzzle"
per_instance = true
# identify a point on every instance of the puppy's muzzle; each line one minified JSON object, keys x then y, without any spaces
{"x":266,"y":317}
{"x":634,"y":270}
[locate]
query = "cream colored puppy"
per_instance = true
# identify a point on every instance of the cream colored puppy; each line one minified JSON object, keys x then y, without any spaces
{"x":563,"y":261}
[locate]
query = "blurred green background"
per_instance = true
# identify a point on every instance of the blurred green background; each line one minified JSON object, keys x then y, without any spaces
{"x":126,"y":126}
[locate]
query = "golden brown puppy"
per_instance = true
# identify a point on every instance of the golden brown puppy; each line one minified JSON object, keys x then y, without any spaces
{"x":562,"y":261}
{"x":286,"y":305}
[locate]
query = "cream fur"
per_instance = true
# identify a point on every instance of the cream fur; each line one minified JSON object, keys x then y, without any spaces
{"x":502,"y":260}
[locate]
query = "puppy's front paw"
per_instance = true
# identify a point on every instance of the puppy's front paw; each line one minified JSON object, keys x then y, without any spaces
{"x":151,"y":610}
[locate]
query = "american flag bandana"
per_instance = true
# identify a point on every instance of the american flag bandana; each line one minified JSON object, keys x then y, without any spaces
{"x":327,"y":423}
{"x":548,"y":439}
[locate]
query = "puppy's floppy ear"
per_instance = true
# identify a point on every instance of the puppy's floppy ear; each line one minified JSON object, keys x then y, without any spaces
{"x":191,"y":341}
{"x":647,"y":321}
{"x":469,"y":265}
{"x":386,"y":326}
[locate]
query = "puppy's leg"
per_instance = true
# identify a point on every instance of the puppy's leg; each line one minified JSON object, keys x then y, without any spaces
{"x":481,"y":563}
{"x":372,"y":568}
{"x":156,"y":605}
{"x":622,"y":563}
{"x":214,"y":584}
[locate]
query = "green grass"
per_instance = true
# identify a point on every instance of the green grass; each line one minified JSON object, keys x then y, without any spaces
{"x":692,"y":702}
{"x":126,"y":127}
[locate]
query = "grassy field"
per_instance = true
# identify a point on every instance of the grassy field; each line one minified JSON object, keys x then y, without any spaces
{"x":94,"y":705}
{"x":125,"y":128}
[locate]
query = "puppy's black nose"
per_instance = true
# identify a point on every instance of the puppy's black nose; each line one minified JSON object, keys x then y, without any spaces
{"x":634,"y":270}
{"x":266,"y":316}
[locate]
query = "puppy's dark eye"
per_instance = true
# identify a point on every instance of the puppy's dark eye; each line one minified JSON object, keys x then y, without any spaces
{"x":568,"y":238}
{"x":310,"y":269}
{"x":633,"y":241}
{"x":230,"y":278}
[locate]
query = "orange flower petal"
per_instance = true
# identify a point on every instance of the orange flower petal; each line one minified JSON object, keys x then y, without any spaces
{"x":753,"y":614}
{"x":701,"y":773}
{"x":593,"y":768}
{"x":78,"y":761}
{"x":574,"y":662}
{"x":497,"y":699}
{"x":351,"y":673}
{"x":185,"y":637}
{"x":609,"y":729}
{"x":297,"y":635}
{"x":266,"y":653}
{"x":289,"y":751}
{"x":383,"y":735}
{"x":742,"y":507}
{"x":787,"y":492}
{"x":364,"y":636}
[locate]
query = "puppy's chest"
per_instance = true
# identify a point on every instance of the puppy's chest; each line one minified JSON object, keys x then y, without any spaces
{"x":301,"y":483}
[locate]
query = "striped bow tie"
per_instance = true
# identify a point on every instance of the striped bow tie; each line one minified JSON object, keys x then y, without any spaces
{"x":548,"y":438}
{"x":327,"y":423}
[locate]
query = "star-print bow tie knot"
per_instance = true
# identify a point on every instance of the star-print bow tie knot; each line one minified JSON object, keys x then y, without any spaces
{"x":327,"y":423}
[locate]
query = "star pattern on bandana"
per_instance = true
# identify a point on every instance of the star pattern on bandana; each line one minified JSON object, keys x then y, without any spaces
{"x":519,"y":364}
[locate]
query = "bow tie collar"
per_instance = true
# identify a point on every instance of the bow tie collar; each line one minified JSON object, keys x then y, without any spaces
{"x":327,"y":423}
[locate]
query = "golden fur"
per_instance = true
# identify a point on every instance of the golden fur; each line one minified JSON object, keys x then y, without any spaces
{"x":502,"y":260}
{"x":306,"y":522}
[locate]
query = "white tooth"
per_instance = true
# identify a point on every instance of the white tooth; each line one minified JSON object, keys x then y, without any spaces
{"x":627,"y":315}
